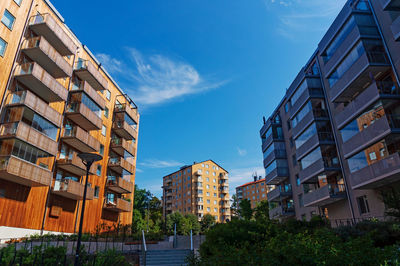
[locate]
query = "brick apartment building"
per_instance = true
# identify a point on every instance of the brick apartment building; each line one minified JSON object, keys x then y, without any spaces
{"x":201,"y":188}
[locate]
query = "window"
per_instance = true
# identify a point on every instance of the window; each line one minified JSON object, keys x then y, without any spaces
{"x":208,"y":201}
{"x":108,"y":94}
{"x":291,"y":141}
{"x":288,"y":124}
{"x":2,"y":193}
{"x":215,"y":194}
{"x":215,"y":202}
{"x":299,"y":91}
{"x":297,"y":180}
{"x":363,"y":204}
{"x":294,"y":159}
{"x":372,"y":156}
{"x":106,"y":112}
{"x":206,"y":165}
{"x":311,"y":158}
{"x":103,"y":130}
{"x":101,"y":151}
{"x":287,"y":107}
{"x":301,"y":114}
{"x":8,"y":19}
{"x":3,"y":46}
{"x":18,"y":2}
{"x":98,"y":172}
{"x":96,"y":192}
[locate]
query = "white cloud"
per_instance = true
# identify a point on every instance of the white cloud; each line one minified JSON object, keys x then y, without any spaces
{"x":303,"y":16}
{"x":155,"y":163}
{"x":241,"y":152}
{"x":156,"y":78}
{"x":241,"y":176}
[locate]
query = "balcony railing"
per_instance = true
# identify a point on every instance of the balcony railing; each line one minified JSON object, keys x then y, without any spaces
{"x":119,"y":145}
{"x":30,"y":135}
{"x":45,"y":25}
{"x":92,"y":93}
{"x":123,"y":129}
{"x":117,"y":205}
{"x":328,"y":194}
{"x":119,"y":164}
{"x":83,"y":116}
{"x":40,"y":82}
{"x":38,"y":49}
{"x":119,"y":185}
{"x":132,"y":112}
{"x":80,"y":139}
{"x":85,"y":70}
{"x":22,"y":172}
{"x":73,"y":164}
{"x":71,"y":189}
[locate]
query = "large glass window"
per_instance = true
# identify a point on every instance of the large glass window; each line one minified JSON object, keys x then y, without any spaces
{"x":3,"y":46}
{"x":371,"y":155}
{"x":306,"y":135}
{"x":299,"y":91}
{"x":340,"y":37}
{"x":29,"y":153}
{"x":8,"y":19}
{"x":301,"y":114}
{"x":276,"y":164}
{"x":87,"y":101}
{"x":311,"y":158}
{"x":349,"y":60}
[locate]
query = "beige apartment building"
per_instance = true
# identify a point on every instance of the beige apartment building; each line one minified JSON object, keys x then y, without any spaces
{"x":201,"y":188}
{"x":58,"y":101}
{"x":255,"y":191}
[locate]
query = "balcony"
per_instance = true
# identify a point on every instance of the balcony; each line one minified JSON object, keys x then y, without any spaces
{"x":269,"y":122}
{"x":92,"y":93}
{"x":280,"y":212}
{"x":223,"y":176}
{"x":224,"y":190}
{"x":323,"y":196}
{"x":321,"y":138}
{"x":374,"y":92}
{"x":381,"y":173}
{"x":45,"y":25}
{"x":310,"y":93}
{"x":30,"y":135}
{"x":380,"y":128}
{"x":131,"y":112}
{"x":123,"y":129}
{"x":72,"y":190}
{"x":315,"y":115}
{"x":30,"y":100}
{"x":359,"y":76}
{"x":83,"y":116}
{"x":117,"y":205}
{"x":119,"y":185}
{"x":119,"y":164}
{"x":277,"y":194}
{"x":391,"y":5}
{"x":40,"y":82}
{"x":24,"y":173}
{"x":395,"y":27}
{"x":120,"y":145}
{"x":40,"y":51}
{"x":309,"y":174}
{"x":276,"y":176}
{"x":73,"y":164}
{"x":275,"y":154}
{"x":85,"y":70}
{"x":79,"y":139}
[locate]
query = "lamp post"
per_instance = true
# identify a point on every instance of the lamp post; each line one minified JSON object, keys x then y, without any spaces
{"x":87,"y":159}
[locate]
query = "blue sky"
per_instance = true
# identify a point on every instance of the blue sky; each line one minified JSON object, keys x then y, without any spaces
{"x":203,"y":73}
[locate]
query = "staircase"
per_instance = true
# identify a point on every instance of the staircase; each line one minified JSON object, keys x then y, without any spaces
{"x":171,"y":257}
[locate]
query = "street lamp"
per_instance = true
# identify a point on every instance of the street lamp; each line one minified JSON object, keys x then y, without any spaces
{"x":87,"y":159}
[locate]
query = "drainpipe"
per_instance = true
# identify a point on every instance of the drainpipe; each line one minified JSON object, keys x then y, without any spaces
{"x":337,"y":147}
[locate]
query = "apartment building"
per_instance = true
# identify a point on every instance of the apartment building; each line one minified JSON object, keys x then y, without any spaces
{"x":57,"y":101}
{"x":255,"y":191}
{"x":201,"y":188}
{"x":335,"y":135}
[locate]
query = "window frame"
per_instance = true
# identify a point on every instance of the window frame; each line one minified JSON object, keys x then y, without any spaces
{"x":5,"y":47}
{"x":13,"y":22}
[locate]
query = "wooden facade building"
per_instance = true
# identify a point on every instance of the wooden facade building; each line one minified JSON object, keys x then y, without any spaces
{"x":58,"y":101}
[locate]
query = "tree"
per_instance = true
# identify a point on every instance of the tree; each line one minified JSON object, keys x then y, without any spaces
{"x":235,"y":205}
{"x":142,"y":198}
{"x":245,"y":210}
{"x":261,"y":212}
{"x":178,"y":219}
{"x":191,"y":223}
{"x":138,"y":223}
{"x":391,"y":199}
{"x":207,"y":222}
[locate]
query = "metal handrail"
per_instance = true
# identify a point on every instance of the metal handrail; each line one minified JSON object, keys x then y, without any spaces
{"x":144,"y":250}
{"x":191,"y":240}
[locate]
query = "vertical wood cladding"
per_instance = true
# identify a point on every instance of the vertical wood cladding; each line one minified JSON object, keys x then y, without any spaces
{"x":23,"y":206}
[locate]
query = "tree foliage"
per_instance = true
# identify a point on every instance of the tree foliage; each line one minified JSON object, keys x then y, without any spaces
{"x":207,"y":222}
{"x":183,"y":223}
{"x":245,"y":210}
{"x":391,"y":199}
